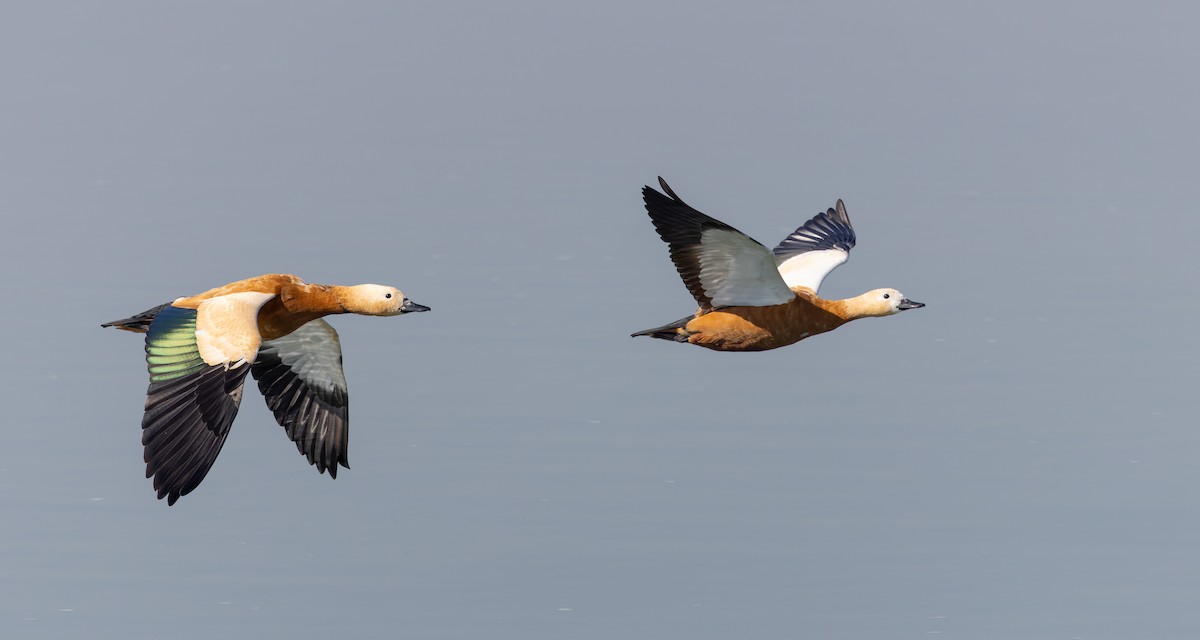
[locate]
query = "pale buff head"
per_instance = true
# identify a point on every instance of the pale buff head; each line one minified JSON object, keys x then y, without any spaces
{"x":377,"y":300}
{"x":882,"y":302}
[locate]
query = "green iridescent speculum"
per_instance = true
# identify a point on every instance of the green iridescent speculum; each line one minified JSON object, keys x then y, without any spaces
{"x":171,"y":350}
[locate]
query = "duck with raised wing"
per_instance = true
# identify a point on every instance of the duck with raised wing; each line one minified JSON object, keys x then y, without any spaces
{"x":200,"y":348}
{"x":752,"y":298}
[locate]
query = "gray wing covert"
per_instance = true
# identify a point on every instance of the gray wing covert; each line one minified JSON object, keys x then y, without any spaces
{"x":300,"y":375}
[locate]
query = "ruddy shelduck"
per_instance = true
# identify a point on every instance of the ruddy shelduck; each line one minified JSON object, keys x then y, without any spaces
{"x":200,"y":348}
{"x":752,"y":298}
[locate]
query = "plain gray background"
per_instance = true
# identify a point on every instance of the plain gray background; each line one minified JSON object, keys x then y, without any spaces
{"x":1016,"y":460}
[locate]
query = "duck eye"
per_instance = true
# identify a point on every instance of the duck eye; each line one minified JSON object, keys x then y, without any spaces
{"x":886,"y":296}
{"x":387,"y":295}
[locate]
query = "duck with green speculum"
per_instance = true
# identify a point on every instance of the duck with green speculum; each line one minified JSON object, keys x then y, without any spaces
{"x":199,"y":350}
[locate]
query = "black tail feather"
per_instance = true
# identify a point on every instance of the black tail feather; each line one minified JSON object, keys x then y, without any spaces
{"x":139,"y":323}
{"x":667,"y":331}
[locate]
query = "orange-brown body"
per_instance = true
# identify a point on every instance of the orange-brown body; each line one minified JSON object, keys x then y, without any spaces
{"x":295,"y":303}
{"x":752,"y":298}
{"x":762,"y":328}
{"x":199,"y":350}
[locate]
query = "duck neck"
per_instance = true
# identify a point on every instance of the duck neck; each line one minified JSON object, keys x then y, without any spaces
{"x":848,"y":309}
{"x":308,"y":299}
{"x":296,"y":305}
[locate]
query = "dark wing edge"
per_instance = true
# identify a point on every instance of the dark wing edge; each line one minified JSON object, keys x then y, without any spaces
{"x":681,"y":227}
{"x":828,"y":230}
{"x":300,"y":376}
{"x":185,"y":425}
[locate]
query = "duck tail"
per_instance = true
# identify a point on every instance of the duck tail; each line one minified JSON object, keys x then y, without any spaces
{"x":139,"y":323}
{"x":674,"y":331}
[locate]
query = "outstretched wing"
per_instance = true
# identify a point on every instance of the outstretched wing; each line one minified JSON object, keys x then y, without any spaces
{"x":816,"y":248}
{"x":197,"y":366}
{"x":300,"y":375}
{"x":189,"y":405}
{"x":720,"y":265}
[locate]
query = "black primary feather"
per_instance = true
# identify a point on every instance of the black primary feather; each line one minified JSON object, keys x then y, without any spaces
{"x":682,"y":228}
{"x":829,"y":230}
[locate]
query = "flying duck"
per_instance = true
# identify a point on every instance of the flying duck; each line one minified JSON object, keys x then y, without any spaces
{"x":200,"y":348}
{"x":752,"y":298}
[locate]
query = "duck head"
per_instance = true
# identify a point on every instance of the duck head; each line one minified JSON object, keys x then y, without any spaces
{"x":378,"y":300}
{"x":883,"y":302}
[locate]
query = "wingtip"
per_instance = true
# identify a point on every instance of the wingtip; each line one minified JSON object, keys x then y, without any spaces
{"x":172,"y":496}
{"x":667,"y":190}
{"x":653,"y":198}
{"x":840,"y":210}
{"x":332,"y":469}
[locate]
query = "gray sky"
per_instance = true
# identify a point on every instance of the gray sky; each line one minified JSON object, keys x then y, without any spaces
{"x":1015,"y":460}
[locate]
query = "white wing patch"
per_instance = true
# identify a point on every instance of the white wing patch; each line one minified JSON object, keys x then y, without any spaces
{"x":227,"y":327}
{"x":810,"y":268}
{"x":736,"y":271}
